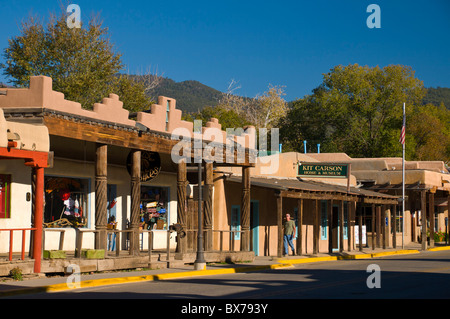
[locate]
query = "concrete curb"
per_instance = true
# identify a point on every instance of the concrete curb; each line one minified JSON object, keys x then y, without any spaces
{"x":348,"y":257}
{"x":282,"y":264}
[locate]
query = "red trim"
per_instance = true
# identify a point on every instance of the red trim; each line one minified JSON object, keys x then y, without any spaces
{"x":32,"y":158}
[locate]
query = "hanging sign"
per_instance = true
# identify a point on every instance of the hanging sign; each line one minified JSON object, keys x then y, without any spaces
{"x":322,"y":170}
{"x":150,"y":165}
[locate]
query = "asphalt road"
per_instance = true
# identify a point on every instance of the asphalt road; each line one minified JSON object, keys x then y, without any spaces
{"x":418,"y":276}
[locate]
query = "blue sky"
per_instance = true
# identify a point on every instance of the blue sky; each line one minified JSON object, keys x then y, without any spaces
{"x":257,"y":43}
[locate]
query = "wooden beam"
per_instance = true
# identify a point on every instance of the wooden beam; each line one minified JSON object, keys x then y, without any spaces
{"x":129,"y":138}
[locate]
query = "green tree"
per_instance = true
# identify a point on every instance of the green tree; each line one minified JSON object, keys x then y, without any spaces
{"x":81,"y":62}
{"x":428,"y":130}
{"x":356,"y":110}
{"x":227,"y":118}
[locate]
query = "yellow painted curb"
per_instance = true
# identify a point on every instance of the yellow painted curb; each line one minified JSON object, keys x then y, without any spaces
{"x":439,"y":248}
{"x":167,"y":276}
{"x":358,"y":256}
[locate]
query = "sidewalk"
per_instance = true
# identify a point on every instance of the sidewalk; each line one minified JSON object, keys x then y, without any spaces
{"x":59,"y":283}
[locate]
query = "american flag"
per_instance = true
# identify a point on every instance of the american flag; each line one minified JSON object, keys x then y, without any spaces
{"x":402,"y":133}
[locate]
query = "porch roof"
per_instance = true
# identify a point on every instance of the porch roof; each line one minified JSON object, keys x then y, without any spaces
{"x":307,"y":189}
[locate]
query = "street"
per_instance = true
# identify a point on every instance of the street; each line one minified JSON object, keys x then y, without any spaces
{"x":424,"y":276}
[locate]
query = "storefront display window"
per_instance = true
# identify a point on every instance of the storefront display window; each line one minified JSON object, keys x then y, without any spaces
{"x":65,"y":202}
{"x":154,"y":207}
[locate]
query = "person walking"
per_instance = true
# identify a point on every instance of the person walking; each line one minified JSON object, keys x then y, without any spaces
{"x":289,"y":233}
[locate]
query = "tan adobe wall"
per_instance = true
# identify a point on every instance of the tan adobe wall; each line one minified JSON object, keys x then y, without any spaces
{"x":27,"y":136}
{"x":164,"y":116}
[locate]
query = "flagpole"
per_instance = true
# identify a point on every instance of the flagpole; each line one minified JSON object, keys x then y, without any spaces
{"x":403,"y":182}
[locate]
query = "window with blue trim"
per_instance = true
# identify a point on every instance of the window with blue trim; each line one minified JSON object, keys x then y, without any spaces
{"x":324,"y":220}
{"x":236,"y":221}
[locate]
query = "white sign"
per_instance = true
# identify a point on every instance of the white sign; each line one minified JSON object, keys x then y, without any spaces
{"x":364,"y":235}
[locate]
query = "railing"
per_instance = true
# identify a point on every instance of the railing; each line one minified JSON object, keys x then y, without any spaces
{"x":232,"y":238}
{"x":11,"y":230}
{"x":231,"y":241}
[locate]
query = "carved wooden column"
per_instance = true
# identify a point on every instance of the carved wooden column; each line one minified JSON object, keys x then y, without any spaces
{"x":181,"y":203}
{"x":135,"y":201}
{"x":245,"y":210}
{"x":207,"y":218}
{"x":101,"y":163}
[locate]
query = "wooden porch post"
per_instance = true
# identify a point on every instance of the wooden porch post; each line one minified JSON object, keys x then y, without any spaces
{"x":350,"y":215}
{"x":207,"y":218}
{"x":135,"y":201}
{"x":101,"y":163}
{"x":245,"y":210}
{"x":359,"y":208}
{"x":181,"y":203}
{"x":316,"y":227}
{"x":38,"y":218}
{"x":330,"y":224}
{"x":373,"y":226}
{"x":280,"y":224}
{"x":341,"y":227}
{"x":394,"y":225}
{"x":431,"y":216}
{"x":379,"y":225}
{"x":300,"y":227}
{"x":383,"y":224}
{"x":423,"y":208}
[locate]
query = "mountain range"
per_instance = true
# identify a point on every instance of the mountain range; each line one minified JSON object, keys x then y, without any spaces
{"x":193,"y":96}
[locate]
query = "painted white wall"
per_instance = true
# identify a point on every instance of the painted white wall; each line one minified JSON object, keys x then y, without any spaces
{"x":118,"y":175}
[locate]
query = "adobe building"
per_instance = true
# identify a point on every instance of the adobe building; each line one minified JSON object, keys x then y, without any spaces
{"x":327,"y":210}
{"x":75,"y":179}
{"x":427,"y":191}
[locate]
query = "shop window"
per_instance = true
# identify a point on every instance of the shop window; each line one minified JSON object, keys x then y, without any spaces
{"x":236,"y":221}
{"x":65,"y":202}
{"x":154,"y":207}
{"x":5,"y":196}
